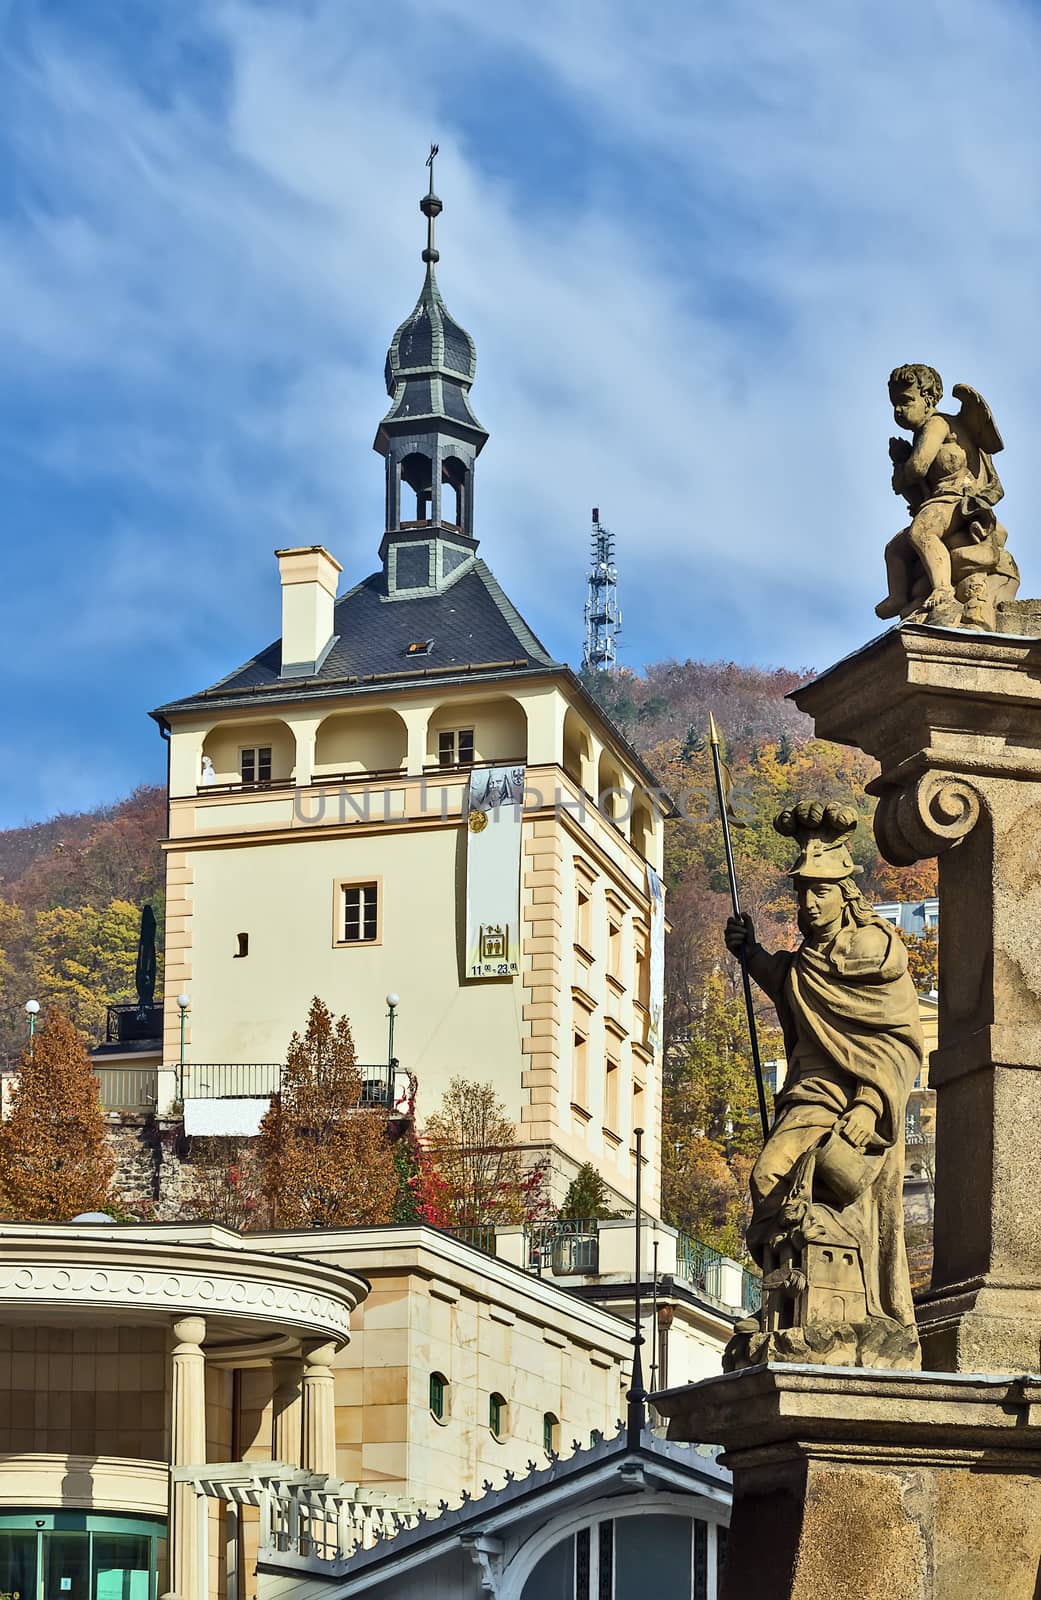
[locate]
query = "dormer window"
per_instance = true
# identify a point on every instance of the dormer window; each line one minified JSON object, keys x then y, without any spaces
{"x":420,"y":647}
{"x":455,"y":748}
{"x":255,"y":764}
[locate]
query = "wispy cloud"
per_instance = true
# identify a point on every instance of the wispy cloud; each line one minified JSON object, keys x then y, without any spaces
{"x":690,"y":241}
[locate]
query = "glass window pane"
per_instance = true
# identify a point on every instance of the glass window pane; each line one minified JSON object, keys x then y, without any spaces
{"x":446,"y":749}
{"x":466,"y":747}
{"x":18,"y":1564}
{"x":554,"y":1577}
{"x":248,"y":766}
{"x":121,"y":1566}
{"x":66,"y":1566}
{"x":652,"y":1544}
{"x":264,"y":764}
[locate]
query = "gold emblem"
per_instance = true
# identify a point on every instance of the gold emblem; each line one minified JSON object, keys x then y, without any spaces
{"x":477,"y":821}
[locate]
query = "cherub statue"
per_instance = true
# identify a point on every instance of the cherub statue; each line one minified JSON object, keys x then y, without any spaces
{"x":950,"y":565}
{"x":827,"y":1189}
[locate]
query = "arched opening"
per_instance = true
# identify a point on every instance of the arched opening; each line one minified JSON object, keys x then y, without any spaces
{"x":254,"y":755}
{"x":465,"y":733}
{"x":355,"y":742}
{"x":454,"y":486}
{"x":497,"y":1411}
{"x":578,"y":755}
{"x":418,"y":473}
{"x":641,"y":831}
{"x":612,"y":796}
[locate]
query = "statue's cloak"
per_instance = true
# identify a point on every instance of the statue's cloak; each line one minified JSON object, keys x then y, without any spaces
{"x":854,"y":1008}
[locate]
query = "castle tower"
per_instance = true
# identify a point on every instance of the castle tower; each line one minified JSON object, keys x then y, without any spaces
{"x":334,"y":827}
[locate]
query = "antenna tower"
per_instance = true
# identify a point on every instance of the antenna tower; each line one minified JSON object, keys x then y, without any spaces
{"x":603,"y":618}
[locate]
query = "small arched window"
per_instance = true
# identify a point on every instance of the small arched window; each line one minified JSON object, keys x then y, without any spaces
{"x":550,"y":1433}
{"x":243,"y":945}
{"x":438,"y":1396}
{"x":497,"y":1415}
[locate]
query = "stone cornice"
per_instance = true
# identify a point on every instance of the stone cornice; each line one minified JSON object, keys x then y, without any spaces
{"x":133,"y":1274}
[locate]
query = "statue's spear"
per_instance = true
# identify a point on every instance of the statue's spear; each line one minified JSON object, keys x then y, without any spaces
{"x":724,"y":784}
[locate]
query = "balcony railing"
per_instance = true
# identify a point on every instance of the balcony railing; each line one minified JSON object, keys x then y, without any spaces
{"x":239,"y":787}
{"x":130,"y":1089}
{"x":481,"y":1236}
{"x":709,"y":1270}
{"x":259,"y":1080}
{"x":566,"y":1247}
{"x":130,"y":1023}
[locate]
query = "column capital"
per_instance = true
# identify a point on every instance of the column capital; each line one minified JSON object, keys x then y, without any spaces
{"x":189,"y":1333}
{"x":318,"y":1355}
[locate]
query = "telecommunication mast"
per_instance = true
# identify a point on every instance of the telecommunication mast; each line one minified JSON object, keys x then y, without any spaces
{"x":603,"y":618}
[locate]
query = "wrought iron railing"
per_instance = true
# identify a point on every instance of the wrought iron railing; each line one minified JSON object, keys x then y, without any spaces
{"x":259,"y":1080}
{"x":240,"y":787}
{"x":565,"y":1247}
{"x":705,"y":1268}
{"x":481,"y":1236}
{"x":132,"y":1089}
{"x":128,"y":1022}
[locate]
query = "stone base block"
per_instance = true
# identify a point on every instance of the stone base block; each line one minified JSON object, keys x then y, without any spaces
{"x":879,"y":1485}
{"x":981,"y":1327}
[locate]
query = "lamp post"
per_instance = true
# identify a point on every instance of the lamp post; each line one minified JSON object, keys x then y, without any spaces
{"x":183,"y":1002}
{"x":32,"y":1011}
{"x":392,"y":1005}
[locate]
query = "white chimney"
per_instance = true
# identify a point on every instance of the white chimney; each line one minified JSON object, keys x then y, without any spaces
{"x":309,"y":574}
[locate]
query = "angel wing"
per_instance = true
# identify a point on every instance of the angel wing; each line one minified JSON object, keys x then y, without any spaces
{"x":978,"y":419}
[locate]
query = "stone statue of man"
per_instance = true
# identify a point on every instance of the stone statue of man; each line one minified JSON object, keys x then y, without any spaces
{"x":827,"y":1189}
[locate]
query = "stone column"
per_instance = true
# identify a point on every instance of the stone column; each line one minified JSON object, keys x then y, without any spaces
{"x":187,"y":1448}
{"x":954,"y":718}
{"x":318,"y":1410}
{"x":286,"y":1409}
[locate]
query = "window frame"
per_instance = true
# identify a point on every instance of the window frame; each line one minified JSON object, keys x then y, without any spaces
{"x":256,"y":751}
{"x":550,"y":1433}
{"x":340,"y":888}
{"x":498,"y":1414}
{"x":439,"y":1412}
{"x":452,"y":755}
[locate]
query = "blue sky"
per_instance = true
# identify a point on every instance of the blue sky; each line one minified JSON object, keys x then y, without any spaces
{"x":690,"y":240}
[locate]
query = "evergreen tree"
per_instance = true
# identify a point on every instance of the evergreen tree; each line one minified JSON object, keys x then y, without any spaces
{"x":588,"y":1197}
{"x":325,"y":1160}
{"x":54,"y":1158}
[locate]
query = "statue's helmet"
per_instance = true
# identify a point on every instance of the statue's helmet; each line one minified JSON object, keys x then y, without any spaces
{"x":822,"y":832}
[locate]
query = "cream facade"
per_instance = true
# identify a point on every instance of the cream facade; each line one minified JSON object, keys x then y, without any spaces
{"x":567,"y":1043}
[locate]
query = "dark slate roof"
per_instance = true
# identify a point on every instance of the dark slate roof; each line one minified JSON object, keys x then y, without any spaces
{"x":471,"y":622}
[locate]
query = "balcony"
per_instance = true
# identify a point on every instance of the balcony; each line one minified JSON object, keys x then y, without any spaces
{"x":382,"y":1084}
{"x":129,"y":1090}
{"x":130,"y":1023}
{"x":716,"y":1275}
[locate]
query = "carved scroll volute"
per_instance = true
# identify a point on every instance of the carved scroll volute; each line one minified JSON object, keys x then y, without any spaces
{"x":926,"y":817}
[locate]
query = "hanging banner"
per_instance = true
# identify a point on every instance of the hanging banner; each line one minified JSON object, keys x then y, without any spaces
{"x":494,"y":811}
{"x":656,"y":999}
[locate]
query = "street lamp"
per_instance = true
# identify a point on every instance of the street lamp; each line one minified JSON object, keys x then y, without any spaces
{"x":183,"y":1002}
{"x":32,"y":1011}
{"x":392,"y":1005}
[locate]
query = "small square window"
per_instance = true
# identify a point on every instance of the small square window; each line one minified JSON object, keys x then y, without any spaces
{"x":360,"y":913}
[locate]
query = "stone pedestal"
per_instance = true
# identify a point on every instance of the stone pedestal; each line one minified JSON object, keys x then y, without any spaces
{"x":879,"y":1485}
{"x":954,"y":719}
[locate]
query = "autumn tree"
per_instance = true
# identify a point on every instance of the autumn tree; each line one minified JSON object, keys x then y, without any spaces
{"x":483,"y":1176}
{"x":325,"y":1160}
{"x":711,"y":1131}
{"x":226,"y":1184}
{"x":54,"y":1158}
{"x":85,"y":956}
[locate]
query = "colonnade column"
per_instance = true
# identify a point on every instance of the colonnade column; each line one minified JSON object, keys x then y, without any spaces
{"x":187,"y":1448}
{"x":286,"y":1409}
{"x":318,"y":1419}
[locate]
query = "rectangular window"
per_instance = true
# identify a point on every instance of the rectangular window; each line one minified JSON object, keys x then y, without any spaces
{"x":580,"y":1088}
{"x":583,"y":918}
{"x":614,"y":950}
{"x":611,"y":1095}
{"x":360,"y":913}
{"x":255,"y":764}
{"x":643,"y":975}
{"x":456,"y":748}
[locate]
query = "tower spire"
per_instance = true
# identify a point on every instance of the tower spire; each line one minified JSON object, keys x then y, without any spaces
{"x":431,"y":208}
